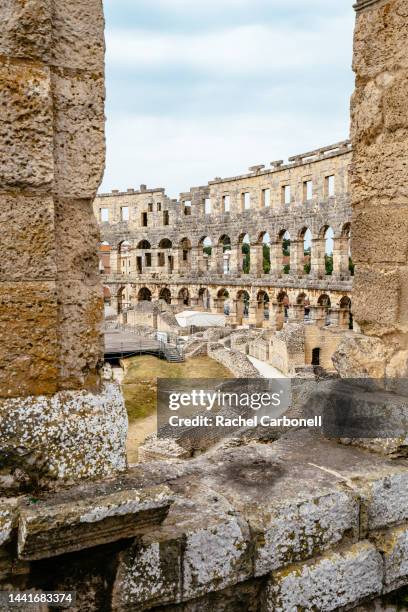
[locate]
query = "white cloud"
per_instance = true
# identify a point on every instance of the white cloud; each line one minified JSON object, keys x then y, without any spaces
{"x":290,"y":74}
{"x":180,"y":153}
{"x":240,"y":50}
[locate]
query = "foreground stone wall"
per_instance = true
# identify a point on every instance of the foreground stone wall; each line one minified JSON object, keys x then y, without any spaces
{"x":51,"y":163}
{"x":379,"y":184}
{"x":325,"y":529}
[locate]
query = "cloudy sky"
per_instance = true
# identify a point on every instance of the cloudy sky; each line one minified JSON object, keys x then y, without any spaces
{"x":205,"y":88}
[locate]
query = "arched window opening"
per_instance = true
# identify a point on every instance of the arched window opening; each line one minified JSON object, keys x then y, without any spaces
{"x":243,"y":301}
{"x":224,"y":303}
{"x":303,"y":300}
{"x":329,"y":246}
{"x":225,"y":243}
{"x":286,"y":240}
{"x":307,"y":250}
{"x":184,"y":297}
{"x":266,"y":252}
{"x":165,"y":295}
{"x":204,"y":298}
{"x":246,"y":253}
{"x":346,"y":312}
{"x":144,"y":295}
{"x":185,"y":254}
{"x":263,"y":302}
{"x":205,"y":254}
{"x":283,"y":299}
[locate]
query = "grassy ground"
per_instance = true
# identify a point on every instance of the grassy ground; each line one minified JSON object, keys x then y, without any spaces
{"x":141,"y":374}
{"x":139,"y":388}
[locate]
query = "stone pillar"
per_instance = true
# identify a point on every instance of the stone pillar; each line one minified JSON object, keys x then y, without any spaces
{"x":318,"y":265}
{"x":278,"y":315}
{"x":297,"y":255}
{"x":236,"y":259}
{"x":196,"y":257}
{"x":53,"y":405}
{"x":252,"y":312}
{"x":256,"y":259}
{"x":341,"y":256}
{"x":115,"y":262}
{"x":334,"y":315}
{"x":379,"y":185}
{"x":318,"y":315}
{"x":297,"y":312}
{"x":216,"y":260}
{"x":344,"y":318}
{"x":276,"y":259}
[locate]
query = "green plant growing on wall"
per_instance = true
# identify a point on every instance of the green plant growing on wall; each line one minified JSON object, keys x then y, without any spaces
{"x":246,"y":250}
{"x":266,"y":259}
{"x":328,"y":260}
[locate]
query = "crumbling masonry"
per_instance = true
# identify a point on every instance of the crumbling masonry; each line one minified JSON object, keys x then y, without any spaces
{"x":190,"y":252}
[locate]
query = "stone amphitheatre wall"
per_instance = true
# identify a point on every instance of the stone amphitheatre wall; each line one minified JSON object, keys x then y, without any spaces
{"x":154,"y":247}
{"x":52,"y":159}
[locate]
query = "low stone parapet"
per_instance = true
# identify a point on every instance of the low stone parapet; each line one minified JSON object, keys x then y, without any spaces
{"x":299,"y":520}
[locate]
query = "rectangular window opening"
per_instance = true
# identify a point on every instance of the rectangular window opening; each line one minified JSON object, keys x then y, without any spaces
{"x":144,"y":219}
{"x":330,"y":186}
{"x":307,"y":191}
{"x":207,"y":206}
{"x":124,"y":213}
{"x":226,"y":203}
{"x":286,"y":194}
{"x":266,"y":198}
{"x":104,"y":215}
{"x":246,"y":200}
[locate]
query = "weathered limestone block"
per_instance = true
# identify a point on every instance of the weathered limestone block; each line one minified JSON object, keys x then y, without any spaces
{"x":77,"y":237}
{"x":67,"y":436}
{"x":374,"y":246}
{"x":79,"y":136}
{"x":215,"y":556}
{"x":381,"y":313}
{"x":385,"y":499}
{"x":336,"y":579}
{"x":394,"y":548}
{"x":203,"y":546}
{"x":50,"y":530}
{"x":26,"y":131}
{"x":29,"y":250}
{"x":28,"y":320}
{"x":78,"y":35}
{"x":360,"y":356}
{"x":380,"y":39}
{"x":26,"y":28}
{"x":303,"y":528}
{"x":8,"y":519}
{"x":148,"y":575}
{"x":81,"y":339}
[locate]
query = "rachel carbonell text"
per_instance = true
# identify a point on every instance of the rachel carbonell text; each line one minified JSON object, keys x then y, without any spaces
{"x":209,"y":400}
{"x":240,"y":421}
